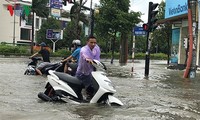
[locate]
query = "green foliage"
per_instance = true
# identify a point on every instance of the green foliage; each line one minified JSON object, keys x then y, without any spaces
{"x":77,"y":16}
{"x":161,"y":11}
{"x":39,"y":7}
{"x":162,"y":35}
{"x":140,"y":44}
{"x":114,"y":17}
{"x":24,"y":50}
{"x":159,"y":56}
{"x":7,"y":49}
{"x":139,"y":56}
{"x":109,"y":55}
{"x":50,"y":23}
{"x":156,"y":56}
{"x":70,"y":35}
{"x":61,"y":53}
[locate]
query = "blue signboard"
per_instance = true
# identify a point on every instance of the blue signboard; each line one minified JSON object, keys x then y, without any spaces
{"x":57,"y":4}
{"x":49,"y":34}
{"x":53,"y":34}
{"x":175,"y":8}
{"x":137,"y":31}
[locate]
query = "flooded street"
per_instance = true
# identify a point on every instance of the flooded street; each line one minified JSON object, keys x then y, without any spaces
{"x":164,"y":95}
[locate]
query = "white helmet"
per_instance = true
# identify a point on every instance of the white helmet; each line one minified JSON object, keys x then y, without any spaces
{"x":76,"y":42}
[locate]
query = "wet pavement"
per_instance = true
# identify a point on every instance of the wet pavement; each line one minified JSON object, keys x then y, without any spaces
{"x":164,"y":95}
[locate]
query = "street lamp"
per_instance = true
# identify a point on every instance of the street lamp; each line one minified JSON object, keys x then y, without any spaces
{"x":14,"y":21}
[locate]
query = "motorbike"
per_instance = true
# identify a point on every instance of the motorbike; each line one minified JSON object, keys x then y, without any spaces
{"x":64,"y":87}
{"x":33,"y":64}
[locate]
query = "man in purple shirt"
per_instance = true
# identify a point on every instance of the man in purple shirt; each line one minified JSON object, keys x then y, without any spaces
{"x":89,"y":52}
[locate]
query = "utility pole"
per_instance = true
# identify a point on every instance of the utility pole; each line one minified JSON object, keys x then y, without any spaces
{"x":192,"y":5}
{"x":14,"y":22}
{"x":91,"y":24}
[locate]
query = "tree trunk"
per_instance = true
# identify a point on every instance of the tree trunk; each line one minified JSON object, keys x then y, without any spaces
{"x":113,"y":48}
{"x":77,"y":21}
{"x":123,"y":49}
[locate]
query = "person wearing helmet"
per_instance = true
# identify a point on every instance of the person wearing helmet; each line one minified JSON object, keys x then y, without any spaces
{"x":74,"y":57}
{"x":45,"y":57}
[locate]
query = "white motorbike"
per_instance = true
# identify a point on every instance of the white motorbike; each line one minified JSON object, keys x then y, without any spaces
{"x":60,"y":86}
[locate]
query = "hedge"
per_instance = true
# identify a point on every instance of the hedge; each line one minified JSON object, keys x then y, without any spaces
{"x":25,"y":51}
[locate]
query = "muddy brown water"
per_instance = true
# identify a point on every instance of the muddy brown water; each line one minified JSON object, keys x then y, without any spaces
{"x":164,"y":95}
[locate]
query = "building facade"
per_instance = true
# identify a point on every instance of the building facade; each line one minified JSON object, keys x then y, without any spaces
{"x":16,"y":29}
{"x":176,"y":12}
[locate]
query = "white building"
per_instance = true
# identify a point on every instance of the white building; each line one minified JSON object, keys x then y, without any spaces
{"x":14,"y":29}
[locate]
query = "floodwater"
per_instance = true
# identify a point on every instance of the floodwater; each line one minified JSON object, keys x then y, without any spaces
{"x":164,"y":95}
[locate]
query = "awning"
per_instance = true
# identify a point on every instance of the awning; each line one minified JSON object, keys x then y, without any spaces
{"x":173,"y":19}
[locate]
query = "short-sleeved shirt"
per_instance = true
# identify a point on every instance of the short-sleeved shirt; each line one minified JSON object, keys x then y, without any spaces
{"x":86,"y":53}
{"x":45,"y":55}
{"x":76,"y":53}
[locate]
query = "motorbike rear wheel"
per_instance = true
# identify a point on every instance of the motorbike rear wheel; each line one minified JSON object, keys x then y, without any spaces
{"x":44,"y":97}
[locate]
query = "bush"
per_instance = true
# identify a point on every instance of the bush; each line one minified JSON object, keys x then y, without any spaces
{"x":16,"y":50}
{"x":159,"y":56}
{"x":139,"y":56}
{"x":109,"y":55}
{"x":61,"y":53}
{"x":25,"y":50}
{"x":156,"y":56}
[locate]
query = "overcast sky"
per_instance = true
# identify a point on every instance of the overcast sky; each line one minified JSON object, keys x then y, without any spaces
{"x":136,"y":5}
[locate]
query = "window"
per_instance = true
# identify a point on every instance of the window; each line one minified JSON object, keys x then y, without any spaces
{"x":25,"y":34}
{"x":37,"y":23}
{"x":43,"y":20}
{"x":29,"y":20}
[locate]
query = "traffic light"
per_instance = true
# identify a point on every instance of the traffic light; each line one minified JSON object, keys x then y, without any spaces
{"x":152,"y":16}
{"x":145,"y":27}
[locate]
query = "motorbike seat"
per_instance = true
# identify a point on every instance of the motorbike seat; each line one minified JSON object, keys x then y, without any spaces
{"x":68,"y":78}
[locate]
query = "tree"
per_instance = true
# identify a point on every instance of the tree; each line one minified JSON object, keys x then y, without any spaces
{"x":162,"y":35}
{"x":38,"y":7}
{"x":50,"y":23}
{"x":77,"y":15}
{"x":115,"y":17}
{"x":74,"y":29}
{"x":140,"y":44}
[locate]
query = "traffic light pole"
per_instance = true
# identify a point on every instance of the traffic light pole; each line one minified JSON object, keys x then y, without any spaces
{"x":150,"y":27}
{"x":147,"y":57}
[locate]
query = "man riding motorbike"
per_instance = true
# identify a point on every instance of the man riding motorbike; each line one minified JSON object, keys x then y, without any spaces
{"x":73,"y":59}
{"x":45,"y":57}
